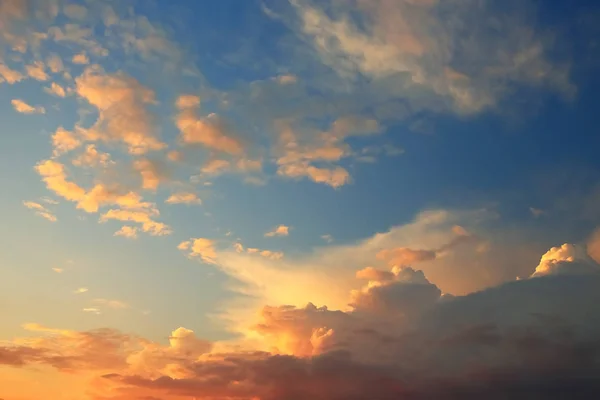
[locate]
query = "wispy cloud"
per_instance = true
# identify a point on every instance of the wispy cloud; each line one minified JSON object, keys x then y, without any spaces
{"x":40,"y":210}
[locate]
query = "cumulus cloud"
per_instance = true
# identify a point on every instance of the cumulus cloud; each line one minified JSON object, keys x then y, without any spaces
{"x":24,"y":108}
{"x":566,"y":259}
{"x":593,"y":246}
{"x":280,"y":230}
{"x":526,"y":339}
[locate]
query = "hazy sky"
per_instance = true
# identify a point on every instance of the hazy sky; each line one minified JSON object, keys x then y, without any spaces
{"x":180,"y":179}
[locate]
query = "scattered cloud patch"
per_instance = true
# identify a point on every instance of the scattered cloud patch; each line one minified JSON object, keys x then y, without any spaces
{"x":40,"y":210}
{"x":280,"y":230}
{"x":24,"y":108}
{"x":183,"y":198}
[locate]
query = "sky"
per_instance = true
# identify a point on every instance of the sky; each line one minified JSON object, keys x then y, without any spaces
{"x":299,"y":199}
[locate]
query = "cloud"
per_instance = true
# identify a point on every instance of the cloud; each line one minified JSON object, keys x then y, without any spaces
{"x":202,"y":248}
{"x":128,"y":232}
{"x":56,"y":90}
{"x":183,"y":198}
{"x":140,"y":216}
{"x":536,"y":212}
{"x":455,"y":350}
{"x":54,"y":174}
{"x":566,"y":259}
{"x":210,"y":131}
{"x":327,"y":238}
{"x":153,"y":172}
{"x":298,"y":153}
{"x":593,"y":246}
{"x":414,"y":51}
{"x":9,"y":75}
{"x":37,"y":71}
{"x":187,"y":101}
{"x":91,"y":157}
{"x":115,"y":304}
{"x":122,"y":106}
{"x":64,"y":141}
{"x":81,"y":59}
{"x":75,"y":11}
{"x":280,"y":230}
{"x":55,"y":63}
{"x":522,"y":339}
{"x":40,"y":210}
{"x":24,"y":108}
{"x":287,"y":79}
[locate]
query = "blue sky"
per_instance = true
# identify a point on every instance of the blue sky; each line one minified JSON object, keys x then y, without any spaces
{"x":170,"y":164}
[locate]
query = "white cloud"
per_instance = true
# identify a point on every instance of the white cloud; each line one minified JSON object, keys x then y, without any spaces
{"x":567,"y":259}
{"x":414,"y":50}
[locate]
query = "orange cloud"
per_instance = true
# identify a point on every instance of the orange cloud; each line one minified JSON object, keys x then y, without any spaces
{"x":122,"y":105}
{"x":54,"y":175}
{"x":81,"y":59}
{"x":56,"y":90}
{"x":8,"y":75}
{"x":24,"y":108}
{"x":64,"y":141}
{"x":297,"y":154}
{"x":187,"y":101}
{"x":127,"y":231}
{"x":202,"y":248}
{"x":281,"y":230}
{"x":209,"y":132}
{"x":92,"y":158}
{"x":37,"y":71}
{"x":183,"y":198}
{"x":142,"y":217}
{"x":153,"y":172}
{"x":40,"y":210}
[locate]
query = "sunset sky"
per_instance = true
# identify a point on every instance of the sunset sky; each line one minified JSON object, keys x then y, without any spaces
{"x":299,"y":199}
